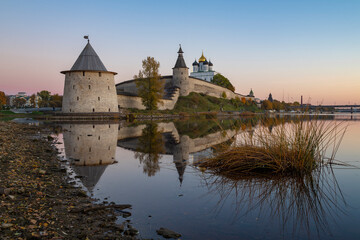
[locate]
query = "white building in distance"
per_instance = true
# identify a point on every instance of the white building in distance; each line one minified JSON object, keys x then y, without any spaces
{"x":203,"y":69}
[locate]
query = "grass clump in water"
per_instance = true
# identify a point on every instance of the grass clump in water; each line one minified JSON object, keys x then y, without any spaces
{"x":290,"y":148}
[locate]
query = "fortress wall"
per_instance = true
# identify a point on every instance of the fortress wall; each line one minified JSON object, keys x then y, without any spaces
{"x":188,"y":85}
{"x":130,"y":102}
{"x":128,"y":87}
{"x":135,"y":102}
{"x":200,"y":86}
{"x":89,"y":92}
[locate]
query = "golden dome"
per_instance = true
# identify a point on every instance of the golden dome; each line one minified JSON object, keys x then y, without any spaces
{"x":202,"y":58}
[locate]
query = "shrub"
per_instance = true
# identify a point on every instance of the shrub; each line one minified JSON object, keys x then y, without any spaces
{"x":296,"y":148}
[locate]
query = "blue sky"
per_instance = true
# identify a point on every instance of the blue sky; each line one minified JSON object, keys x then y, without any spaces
{"x":288,"y":48}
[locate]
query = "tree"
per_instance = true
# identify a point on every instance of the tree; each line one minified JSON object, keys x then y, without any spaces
{"x":223,"y":95}
{"x":267,"y":105}
{"x":149,"y":85}
{"x":222,"y":81}
{"x":19,"y":102}
{"x":32,"y":100}
{"x":45,"y":98}
{"x":56,"y":100}
{"x":151,"y":145}
{"x":2,"y":99}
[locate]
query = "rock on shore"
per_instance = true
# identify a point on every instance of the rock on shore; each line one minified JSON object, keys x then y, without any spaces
{"x":36,"y":200}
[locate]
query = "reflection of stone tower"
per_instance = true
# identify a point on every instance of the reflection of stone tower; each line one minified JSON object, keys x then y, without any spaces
{"x":90,"y":148}
{"x":181,"y":74}
{"x":89,"y":87}
{"x":180,"y":167}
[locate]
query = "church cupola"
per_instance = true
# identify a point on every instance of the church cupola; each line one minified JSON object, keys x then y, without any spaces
{"x":205,"y":66}
{"x":195,"y":66}
{"x":210,"y":66}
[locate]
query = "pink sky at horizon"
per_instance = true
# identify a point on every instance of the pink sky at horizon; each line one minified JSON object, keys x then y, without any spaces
{"x":287,"y":49}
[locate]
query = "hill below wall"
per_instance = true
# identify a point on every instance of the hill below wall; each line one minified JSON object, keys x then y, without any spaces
{"x":196,"y":102}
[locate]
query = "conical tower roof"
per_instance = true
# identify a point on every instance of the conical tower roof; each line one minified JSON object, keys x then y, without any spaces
{"x":88,"y":60}
{"x":180,"y":62}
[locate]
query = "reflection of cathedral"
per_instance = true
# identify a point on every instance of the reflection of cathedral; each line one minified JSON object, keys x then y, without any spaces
{"x":90,"y":148}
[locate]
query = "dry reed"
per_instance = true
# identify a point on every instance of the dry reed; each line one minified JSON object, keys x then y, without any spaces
{"x":289,"y":148}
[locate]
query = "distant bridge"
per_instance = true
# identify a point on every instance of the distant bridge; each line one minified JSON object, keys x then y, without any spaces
{"x":339,"y":108}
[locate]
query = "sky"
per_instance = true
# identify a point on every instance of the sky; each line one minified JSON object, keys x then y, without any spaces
{"x":288,"y":48}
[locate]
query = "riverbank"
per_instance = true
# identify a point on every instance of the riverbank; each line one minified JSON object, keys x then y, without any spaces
{"x":37,"y":199}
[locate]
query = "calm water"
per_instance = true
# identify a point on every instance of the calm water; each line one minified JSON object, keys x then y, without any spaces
{"x":150,"y":166}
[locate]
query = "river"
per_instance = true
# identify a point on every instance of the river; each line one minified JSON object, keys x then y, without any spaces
{"x":150,"y":165}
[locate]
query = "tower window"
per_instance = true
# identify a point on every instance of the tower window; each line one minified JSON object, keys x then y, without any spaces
{"x":109,"y":109}
{"x":99,"y":74}
{"x":93,"y":109}
{"x":99,"y":137}
{"x":83,"y":73}
{"x":108,"y":87}
{"x":73,"y":86}
{"x":77,"y":98}
{"x":70,"y":109}
{"x":99,"y":98}
{"x":89,"y":86}
{"x":181,"y":73}
{"x":89,"y":149}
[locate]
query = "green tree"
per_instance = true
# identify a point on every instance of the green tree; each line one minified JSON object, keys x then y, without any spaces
{"x":223,"y":95}
{"x":56,"y":100}
{"x":222,"y":81}
{"x":151,"y":145}
{"x":2,"y":99}
{"x":149,"y":84}
{"x":45,"y":98}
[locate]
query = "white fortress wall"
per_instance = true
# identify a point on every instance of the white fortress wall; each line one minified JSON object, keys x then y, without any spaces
{"x":202,"y":86}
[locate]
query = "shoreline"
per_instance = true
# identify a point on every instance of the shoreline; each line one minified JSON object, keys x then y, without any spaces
{"x":38,"y":200}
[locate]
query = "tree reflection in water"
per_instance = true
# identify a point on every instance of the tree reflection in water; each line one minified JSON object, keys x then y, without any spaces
{"x":303,"y":203}
{"x":151,"y":145}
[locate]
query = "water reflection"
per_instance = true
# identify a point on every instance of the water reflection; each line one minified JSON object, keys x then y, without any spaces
{"x":151,"y":140}
{"x":90,"y":149}
{"x":303,"y":205}
{"x":154,"y":158}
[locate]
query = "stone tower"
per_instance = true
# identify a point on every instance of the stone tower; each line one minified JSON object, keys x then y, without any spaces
{"x":89,"y":86}
{"x":181,"y":75}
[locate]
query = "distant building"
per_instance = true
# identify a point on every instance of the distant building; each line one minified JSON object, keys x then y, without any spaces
{"x":203,"y":69}
{"x":27,"y":98}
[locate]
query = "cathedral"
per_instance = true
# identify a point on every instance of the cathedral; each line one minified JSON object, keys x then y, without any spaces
{"x":203,"y":69}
